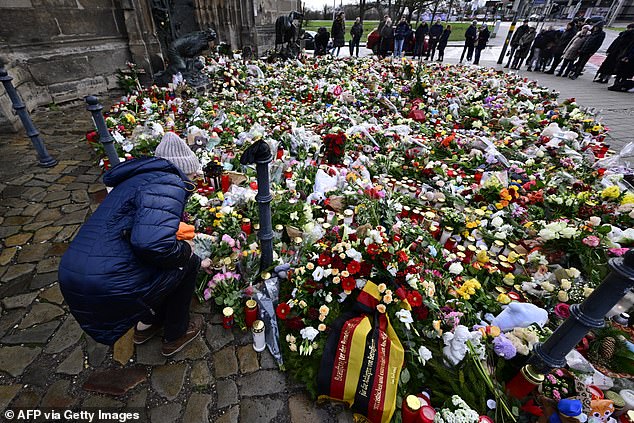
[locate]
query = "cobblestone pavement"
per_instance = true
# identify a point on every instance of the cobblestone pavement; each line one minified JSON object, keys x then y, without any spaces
{"x":45,"y":358}
{"x":47,"y":361}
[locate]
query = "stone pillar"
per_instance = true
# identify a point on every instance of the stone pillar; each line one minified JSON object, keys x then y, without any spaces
{"x":144,"y":45}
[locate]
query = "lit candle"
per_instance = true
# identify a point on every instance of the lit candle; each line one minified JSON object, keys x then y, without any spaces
{"x":251,"y":312}
{"x":225,"y":182}
{"x":227,"y":317}
{"x":259,"y":342}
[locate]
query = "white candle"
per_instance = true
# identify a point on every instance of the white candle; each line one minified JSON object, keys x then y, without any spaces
{"x":259,"y":342}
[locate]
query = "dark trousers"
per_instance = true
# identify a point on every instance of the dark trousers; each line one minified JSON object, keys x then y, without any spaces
{"x":510,"y":54}
{"x":386,"y":46}
{"x":173,"y":313}
{"x":433,"y":42}
{"x":556,"y":62}
{"x":418,"y":49}
{"x":441,"y":52}
{"x":469,"y":51}
{"x":354,"y":43}
{"x":566,"y":67}
{"x":476,"y":59}
{"x":581,"y":63}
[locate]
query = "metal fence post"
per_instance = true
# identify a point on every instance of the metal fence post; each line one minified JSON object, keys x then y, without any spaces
{"x":260,"y":154}
{"x":45,"y":159}
{"x":102,"y":129}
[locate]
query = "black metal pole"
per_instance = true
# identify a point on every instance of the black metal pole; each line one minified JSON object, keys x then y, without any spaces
{"x":585,"y":316}
{"x":45,"y":159}
{"x":260,"y":154}
{"x":104,"y":135}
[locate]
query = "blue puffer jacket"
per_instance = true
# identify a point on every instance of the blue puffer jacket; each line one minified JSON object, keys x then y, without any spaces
{"x":125,"y":259}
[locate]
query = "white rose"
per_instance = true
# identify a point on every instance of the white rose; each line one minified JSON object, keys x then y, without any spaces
{"x":565,"y":284}
{"x":309,"y":333}
{"x":424,"y":355}
{"x":497,"y":221}
{"x":568,"y":232}
{"x":455,"y":268}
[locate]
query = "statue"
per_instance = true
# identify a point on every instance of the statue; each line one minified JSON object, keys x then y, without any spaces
{"x":287,"y":35}
{"x":182,"y":53}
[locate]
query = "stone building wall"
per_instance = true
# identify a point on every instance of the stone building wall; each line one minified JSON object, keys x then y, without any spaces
{"x":62,"y":50}
{"x":57,"y":50}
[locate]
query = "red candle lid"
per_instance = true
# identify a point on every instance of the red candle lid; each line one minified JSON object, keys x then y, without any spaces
{"x":596,"y":392}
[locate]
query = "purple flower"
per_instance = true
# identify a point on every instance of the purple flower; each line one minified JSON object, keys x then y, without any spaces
{"x":503,"y":347}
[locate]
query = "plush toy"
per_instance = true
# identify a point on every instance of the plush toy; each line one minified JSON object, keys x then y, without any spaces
{"x":568,"y":411}
{"x":601,"y":411}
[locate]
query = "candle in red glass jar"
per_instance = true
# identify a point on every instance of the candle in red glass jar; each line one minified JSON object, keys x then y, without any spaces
{"x":524,"y":382}
{"x":410,"y":409}
{"x":227,"y":317}
{"x":225,"y":182}
{"x":426,"y":414}
{"x":246,"y":226}
{"x":251,"y":312}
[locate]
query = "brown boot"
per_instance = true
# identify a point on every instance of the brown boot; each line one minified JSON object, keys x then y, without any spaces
{"x":142,"y":336}
{"x":193,"y":330}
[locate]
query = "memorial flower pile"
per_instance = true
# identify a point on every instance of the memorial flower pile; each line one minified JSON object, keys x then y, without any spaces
{"x":478,"y":204}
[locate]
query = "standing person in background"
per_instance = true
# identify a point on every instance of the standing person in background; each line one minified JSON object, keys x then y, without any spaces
{"x":562,"y":43}
{"x":434,"y":36}
{"x":470,"y":37}
{"x":618,"y":48}
{"x":571,"y":51}
{"x":356,"y":31}
{"x":419,"y":36}
{"x":524,"y":48}
{"x":442,"y":43}
{"x":387,"y":37}
{"x":589,"y":47}
{"x":321,"y":41}
{"x":538,"y":45}
{"x":483,"y":39}
{"x":551,"y":37}
{"x":401,"y":31}
{"x":624,"y":71}
{"x":515,"y":41}
{"x":338,"y":33}
{"x":380,"y":28}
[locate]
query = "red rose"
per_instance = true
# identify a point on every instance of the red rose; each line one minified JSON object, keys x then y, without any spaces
{"x":562,"y":310}
{"x":282,"y":310}
{"x":324,"y":259}
{"x":420,"y":313}
{"x":348,"y":284}
{"x":353,"y":267}
{"x":414,"y":298}
{"x":296,"y":323}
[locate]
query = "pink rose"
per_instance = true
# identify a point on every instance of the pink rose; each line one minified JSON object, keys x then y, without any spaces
{"x":591,"y":241}
{"x":562,"y":310}
{"x":618,"y":252}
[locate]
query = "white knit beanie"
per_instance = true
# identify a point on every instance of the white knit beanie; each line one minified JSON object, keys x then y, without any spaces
{"x":173,"y":148}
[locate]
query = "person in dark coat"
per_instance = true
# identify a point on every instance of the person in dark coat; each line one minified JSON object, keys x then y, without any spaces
{"x":551,"y":37}
{"x":483,"y":39}
{"x":617,"y":49}
{"x":338,"y":33}
{"x":524,"y":48}
{"x":356,"y":31}
{"x":442,"y":43}
{"x":321,"y":41}
{"x":126,"y":266}
{"x":515,"y":41}
{"x":624,"y":71}
{"x":470,"y":37}
{"x":387,"y":38}
{"x":571,"y":52}
{"x":400,"y":32}
{"x":590,"y":46}
{"x":434,"y":36}
{"x":419,"y":36}
{"x":536,"y":50}
{"x":562,"y":43}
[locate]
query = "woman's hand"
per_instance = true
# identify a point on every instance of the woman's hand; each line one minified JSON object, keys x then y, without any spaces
{"x":206,"y":266}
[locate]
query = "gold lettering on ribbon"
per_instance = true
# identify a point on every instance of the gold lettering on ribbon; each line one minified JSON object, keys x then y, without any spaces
{"x":381,"y":376}
{"x":341,"y":364}
{"x":365,"y":380}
